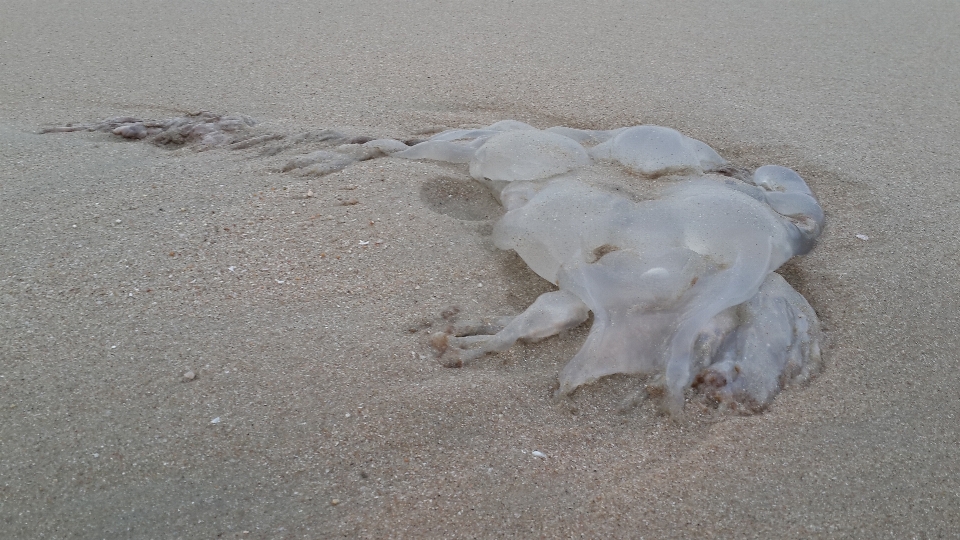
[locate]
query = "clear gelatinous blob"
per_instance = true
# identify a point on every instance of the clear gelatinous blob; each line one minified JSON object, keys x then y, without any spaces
{"x":443,"y":150}
{"x":460,"y":145}
{"x":585,"y":136}
{"x":787,"y":193}
{"x":652,"y":272}
{"x":511,"y":125}
{"x":655,"y":151}
{"x":464,"y":134}
{"x":526,"y":155}
{"x":710,"y":160}
{"x":777,"y":178}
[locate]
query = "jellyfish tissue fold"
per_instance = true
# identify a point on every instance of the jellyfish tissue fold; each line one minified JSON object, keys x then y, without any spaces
{"x":670,"y":247}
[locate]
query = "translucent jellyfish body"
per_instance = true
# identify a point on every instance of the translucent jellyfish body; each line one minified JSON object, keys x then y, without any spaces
{"x":526,"y":155}
{"x":655,"y":151}
{"x":679,"y":280}
{"x":670,"y":248}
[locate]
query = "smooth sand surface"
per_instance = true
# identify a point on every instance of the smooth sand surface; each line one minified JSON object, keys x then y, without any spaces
{"x":124,"y":265}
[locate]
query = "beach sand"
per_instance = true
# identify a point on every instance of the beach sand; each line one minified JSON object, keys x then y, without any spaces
{"x":125,"y":265}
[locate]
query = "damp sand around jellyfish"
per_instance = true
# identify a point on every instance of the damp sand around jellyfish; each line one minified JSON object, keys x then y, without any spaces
{"x":670,"y":247}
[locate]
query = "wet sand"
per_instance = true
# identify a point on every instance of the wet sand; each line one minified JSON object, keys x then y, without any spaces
{"x":125,"y":265}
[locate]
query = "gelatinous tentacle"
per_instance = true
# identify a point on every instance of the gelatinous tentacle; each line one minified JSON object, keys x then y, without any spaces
{"x":584,"y":368}
{"x":450,"y":152}
{"x":631,"y":295}
{"x":731,"y":287}
{"x":550,"y":314}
